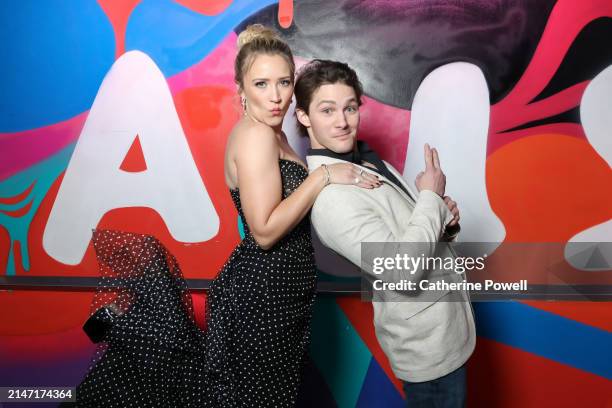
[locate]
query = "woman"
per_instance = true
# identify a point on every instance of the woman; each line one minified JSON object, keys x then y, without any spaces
{"x":259,"y":306}
{"x":151,"y":353}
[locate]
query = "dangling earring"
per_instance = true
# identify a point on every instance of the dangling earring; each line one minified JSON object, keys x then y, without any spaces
{"x":243,"y":101}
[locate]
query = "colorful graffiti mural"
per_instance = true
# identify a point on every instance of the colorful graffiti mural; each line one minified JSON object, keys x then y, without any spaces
{"x":115,"y":114}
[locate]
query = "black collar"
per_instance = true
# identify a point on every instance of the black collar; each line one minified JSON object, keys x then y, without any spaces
{"x":360,"y":153}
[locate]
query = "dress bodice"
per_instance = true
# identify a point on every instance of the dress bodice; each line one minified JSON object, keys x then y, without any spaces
{"x":292,"y":175}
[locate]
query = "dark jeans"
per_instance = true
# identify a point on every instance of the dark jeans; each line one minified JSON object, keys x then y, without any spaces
{"x":444,"y":392}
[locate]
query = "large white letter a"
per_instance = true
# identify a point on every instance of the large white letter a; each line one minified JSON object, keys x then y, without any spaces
{"x":133,"y":99}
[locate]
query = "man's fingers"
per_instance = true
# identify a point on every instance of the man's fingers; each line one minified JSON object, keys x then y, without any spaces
{"x":454,"y":221}
{"x":450,"y":203}
{"x":428,"y":157}
{"x":436,"y":158}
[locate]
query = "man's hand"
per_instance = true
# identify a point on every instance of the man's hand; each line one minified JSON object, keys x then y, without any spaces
{"x":432,"y":178}
{"x":452,"y":206}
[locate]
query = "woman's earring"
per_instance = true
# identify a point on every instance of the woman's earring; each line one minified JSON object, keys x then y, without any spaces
{"x":243,"y":102}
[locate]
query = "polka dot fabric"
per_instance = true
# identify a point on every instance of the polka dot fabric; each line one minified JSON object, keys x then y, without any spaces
{"x":153,"y":343}
{"x":258,"y":322}
{"x":258,"y":315}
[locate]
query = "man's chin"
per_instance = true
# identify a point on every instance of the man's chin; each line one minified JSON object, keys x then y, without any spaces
{"x":343,"y":148}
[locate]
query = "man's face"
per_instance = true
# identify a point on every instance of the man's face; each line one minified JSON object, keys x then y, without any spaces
{"x":333,"y":118}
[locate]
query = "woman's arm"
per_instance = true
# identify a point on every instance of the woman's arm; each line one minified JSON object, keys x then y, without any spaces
{"x":269,"y":216}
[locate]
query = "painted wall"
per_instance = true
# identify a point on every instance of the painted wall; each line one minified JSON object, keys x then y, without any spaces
{"x":115,"y":114}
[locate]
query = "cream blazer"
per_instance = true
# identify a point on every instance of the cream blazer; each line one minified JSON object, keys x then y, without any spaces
{"x":424,"y":335}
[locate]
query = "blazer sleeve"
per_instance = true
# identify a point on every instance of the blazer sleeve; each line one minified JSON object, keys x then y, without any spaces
{"x":344,"y":219}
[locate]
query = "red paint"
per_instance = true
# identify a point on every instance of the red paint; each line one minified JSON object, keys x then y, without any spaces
{"x":285,"y":13}
{"x":548,"y":188}
{"x":37,"y":312}
{"x":5,"y":247}
{"x":19,"y":197}
{"x":57,"y":347}
{"x":199,"y":309}
{"x":20,"y":212}
{"x":206,"y":7}
{"x":118,"y":12}
{"x":134,"y":160}
{"x":501,"y":376}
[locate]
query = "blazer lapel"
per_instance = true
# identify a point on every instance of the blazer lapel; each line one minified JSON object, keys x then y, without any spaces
{"x":316,"y":161}
{"x":413,"y":195}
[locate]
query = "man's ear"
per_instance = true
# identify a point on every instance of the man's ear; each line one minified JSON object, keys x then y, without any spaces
{"x":302,"y":117}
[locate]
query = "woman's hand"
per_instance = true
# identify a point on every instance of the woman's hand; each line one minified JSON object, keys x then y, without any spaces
{"x":348,"y":173}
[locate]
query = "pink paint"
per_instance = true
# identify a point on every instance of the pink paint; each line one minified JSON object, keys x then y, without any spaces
{"x":385,"y":128}
{"x":24,"y":149}
{"x":217,"y":68}
{"x":21,"y":150}
{"x":566,"y":20}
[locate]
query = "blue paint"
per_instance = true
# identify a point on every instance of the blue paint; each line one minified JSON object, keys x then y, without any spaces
{"x":240,"y":227}
{"x":43,"y":175}
{"x":176,"y":37}
{"x":378,"y":390}
{"x":54,"y":56}
{"x":546,"y":334}
{"x":338,"y":352}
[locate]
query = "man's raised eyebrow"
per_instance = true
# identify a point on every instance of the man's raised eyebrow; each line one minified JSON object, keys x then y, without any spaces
{"x":325,"y":101}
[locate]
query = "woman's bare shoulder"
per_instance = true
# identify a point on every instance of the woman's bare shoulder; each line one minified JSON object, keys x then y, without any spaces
{"x":252,"y":137}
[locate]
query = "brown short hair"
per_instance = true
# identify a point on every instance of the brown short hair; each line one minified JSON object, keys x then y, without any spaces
{"x":320,"y":72}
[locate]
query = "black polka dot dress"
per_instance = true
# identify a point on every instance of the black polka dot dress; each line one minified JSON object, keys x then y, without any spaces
{"x":151,"y":353}
{"x":258,"y":322}
{"x":258,"y":315}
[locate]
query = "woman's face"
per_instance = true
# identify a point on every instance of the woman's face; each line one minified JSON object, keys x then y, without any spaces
{"x":268,"y":88}
{"x":333,"y":118}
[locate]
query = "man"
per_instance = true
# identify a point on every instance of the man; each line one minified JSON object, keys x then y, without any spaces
{"x":427,"y":337}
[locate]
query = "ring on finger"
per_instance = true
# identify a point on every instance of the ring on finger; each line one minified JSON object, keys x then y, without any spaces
{"x":361,"y":172}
